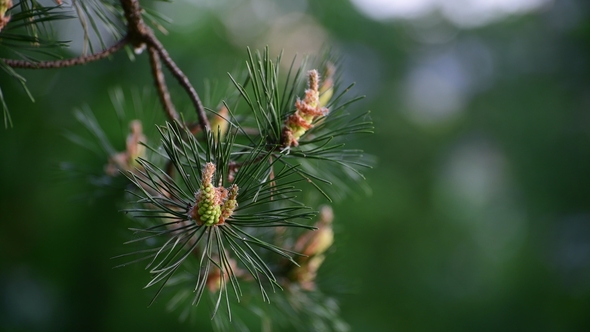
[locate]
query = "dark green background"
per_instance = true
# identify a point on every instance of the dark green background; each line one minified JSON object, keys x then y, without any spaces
{"x":477,"y":221}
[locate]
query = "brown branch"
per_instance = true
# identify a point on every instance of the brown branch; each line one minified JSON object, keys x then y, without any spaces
{"x":135,"y":25}
{"x":141,"y":35}
{"x":184,"y":82}
{"x":161,"y":85}
{"x":81,"y":60}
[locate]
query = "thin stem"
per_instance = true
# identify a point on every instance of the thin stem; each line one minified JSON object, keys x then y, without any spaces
{"x":141,"y":34}
{"x":184,"y":82}
{"x":81,"y":60}
{"x":161,"y":85}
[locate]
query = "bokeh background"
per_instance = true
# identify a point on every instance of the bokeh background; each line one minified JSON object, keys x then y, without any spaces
{"x":479,"y":216}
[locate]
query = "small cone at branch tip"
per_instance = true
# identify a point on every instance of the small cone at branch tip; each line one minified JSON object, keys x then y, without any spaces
{"x":219,"y":124}
{"x":307,"y":110}
{"x":127,"y":160}
{"x":213,"y":205}
{"x":4,"y":6}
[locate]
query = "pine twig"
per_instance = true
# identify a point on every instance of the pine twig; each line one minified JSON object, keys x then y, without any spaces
{"x":161,"y":85}
{"x":142,"y":35}
{"x":81,"y":60}
{"x":183,"y":81}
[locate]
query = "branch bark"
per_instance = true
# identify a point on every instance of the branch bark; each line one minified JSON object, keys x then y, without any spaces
{"x":184,"y":82}
{"x":161,"y":85}
{"x":81,"y":60}
{"x":142,"y":35}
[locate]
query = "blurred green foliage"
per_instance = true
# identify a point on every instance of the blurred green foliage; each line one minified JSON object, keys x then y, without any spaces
{"x":479,"y":217}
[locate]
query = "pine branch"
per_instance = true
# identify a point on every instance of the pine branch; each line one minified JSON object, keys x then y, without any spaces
{"x":139,"y":35}
{"x":184,"y":82}
{"x":81,"y":60}
{"x":161,"y":85}
{"x":230,"y":211}
{"x":142,"y":35}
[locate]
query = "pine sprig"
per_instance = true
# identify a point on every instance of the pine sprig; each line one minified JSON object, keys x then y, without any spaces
{"x":271,"y":101}
{"x":262,"y":93}
{"x":228,"y":212}
{"x":175,"y":198}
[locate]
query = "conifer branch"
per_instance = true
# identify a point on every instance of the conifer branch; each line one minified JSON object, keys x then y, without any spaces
{"x":81,"y":60}
{"x":216,"y":197}
{"x":161,"y":85}
{"x":142,"y":35}
{"x":139,"y":35}
{"x":184,"y":82}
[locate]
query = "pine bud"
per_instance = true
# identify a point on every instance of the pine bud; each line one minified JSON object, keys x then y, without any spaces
{"x":230,"y":204}
{"x":4,"y":6}
{"x":307,"y":110}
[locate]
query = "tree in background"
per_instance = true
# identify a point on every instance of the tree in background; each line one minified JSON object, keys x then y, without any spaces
{"x":224,"y":198}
